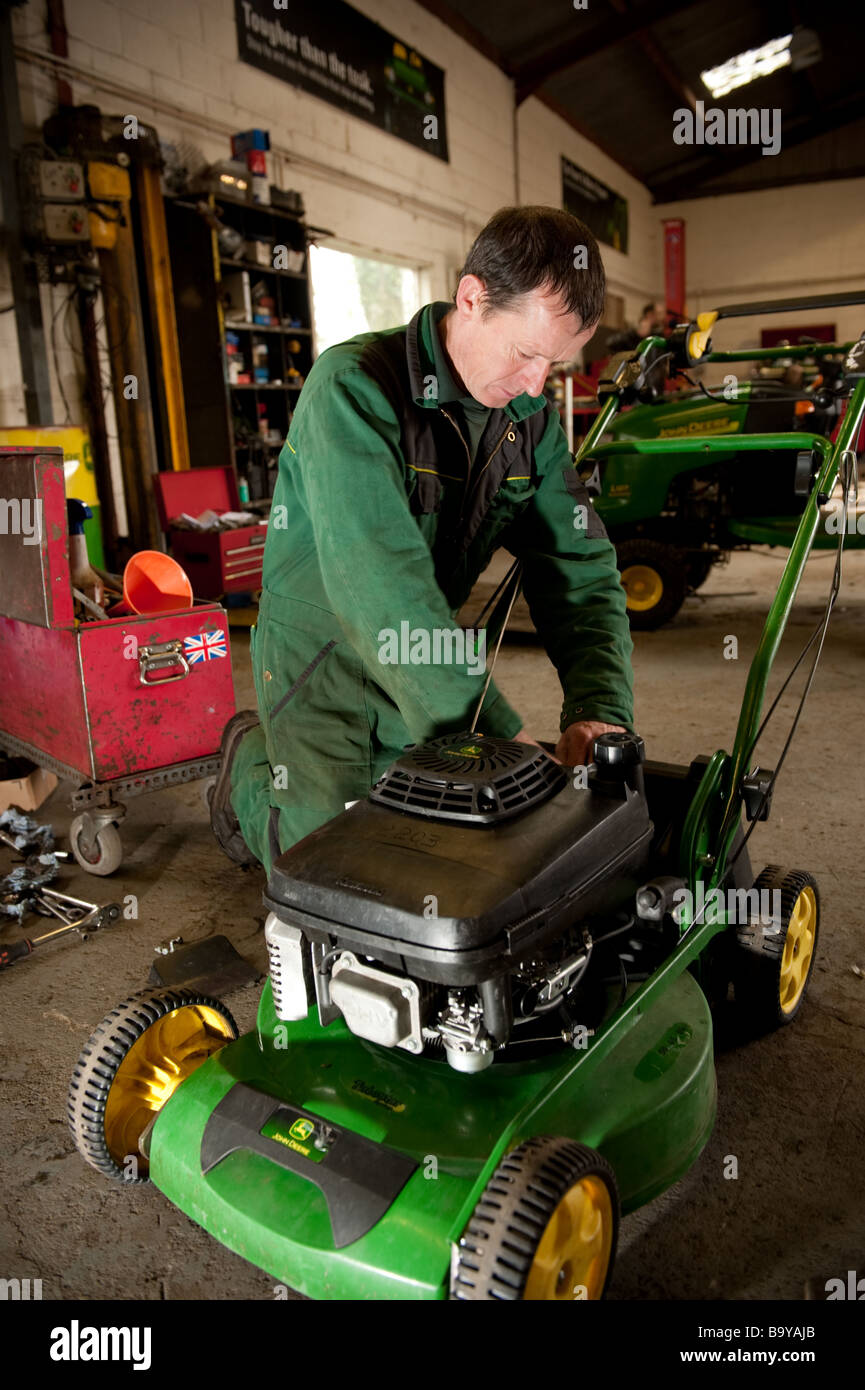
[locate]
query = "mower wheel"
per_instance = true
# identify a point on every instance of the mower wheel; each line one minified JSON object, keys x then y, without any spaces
{"x":131,"y":1065}
{"x":655,"y":579}
{"x":773,"y":962}
{"x":545,"y":1227}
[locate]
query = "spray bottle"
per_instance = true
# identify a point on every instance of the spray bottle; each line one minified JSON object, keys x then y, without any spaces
{"x":83,"y":577}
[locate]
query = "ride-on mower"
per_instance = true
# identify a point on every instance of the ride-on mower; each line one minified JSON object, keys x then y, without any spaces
{"x":692,"y":507}
{"x":486,"y":1031}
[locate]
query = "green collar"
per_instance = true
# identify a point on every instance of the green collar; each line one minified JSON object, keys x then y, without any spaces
{"x":426,"y":358}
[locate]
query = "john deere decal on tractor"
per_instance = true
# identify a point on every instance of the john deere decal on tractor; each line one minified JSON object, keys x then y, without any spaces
{"x":541,"y":1048}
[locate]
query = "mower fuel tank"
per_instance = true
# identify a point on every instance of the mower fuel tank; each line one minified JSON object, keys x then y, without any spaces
{"x":467,"y":855}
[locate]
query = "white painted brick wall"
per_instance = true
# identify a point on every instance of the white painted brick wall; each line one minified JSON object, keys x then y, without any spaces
{"x":543,"y":138}
{"x":184,"y":52}
{"x":807,"y":239}
{"x":141,"y":42}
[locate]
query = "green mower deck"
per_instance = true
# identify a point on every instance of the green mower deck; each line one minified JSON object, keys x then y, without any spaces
{"x":648,"y":1106}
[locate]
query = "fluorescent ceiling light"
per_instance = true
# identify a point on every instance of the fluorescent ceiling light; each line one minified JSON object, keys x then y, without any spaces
{"x":746,"y":67}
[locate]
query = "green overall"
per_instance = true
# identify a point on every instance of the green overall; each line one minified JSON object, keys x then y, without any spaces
{"x":391,"y":498}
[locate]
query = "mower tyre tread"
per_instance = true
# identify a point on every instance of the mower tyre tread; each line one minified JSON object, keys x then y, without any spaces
{"x":499,"y":1244}
{"x":100,"y":1060}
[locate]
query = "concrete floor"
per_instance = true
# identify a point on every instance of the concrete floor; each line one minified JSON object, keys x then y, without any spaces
{"x":791,"y":1107}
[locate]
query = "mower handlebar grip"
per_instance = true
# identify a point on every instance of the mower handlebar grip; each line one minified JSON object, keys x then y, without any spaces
{"x":14,"y":951}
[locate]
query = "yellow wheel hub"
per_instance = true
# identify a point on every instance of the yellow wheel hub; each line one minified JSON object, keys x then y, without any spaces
{"x":572,"y":1259}
{"x":798,"y":950}
{"x":643,"y":586}
{"x":165,"y":1054}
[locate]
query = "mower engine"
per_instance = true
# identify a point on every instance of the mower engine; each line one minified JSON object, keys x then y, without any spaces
{"x":464,"y":900}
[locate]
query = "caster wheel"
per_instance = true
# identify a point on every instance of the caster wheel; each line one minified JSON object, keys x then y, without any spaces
{"x":131,"y":1065}
{"x":109,"y":848}
{"x":544,"y":1229}
{"x":773,"y":963}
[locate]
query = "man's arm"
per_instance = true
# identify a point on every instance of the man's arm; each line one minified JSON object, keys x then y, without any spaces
{"x":573,"y":590}
{"x":377,"y":568}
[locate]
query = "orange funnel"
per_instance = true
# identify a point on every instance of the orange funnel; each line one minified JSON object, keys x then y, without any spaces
{"x":154,"y":583}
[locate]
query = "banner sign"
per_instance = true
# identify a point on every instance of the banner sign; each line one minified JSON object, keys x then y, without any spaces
{"x":674,"y":265}
{"x":604,"y":212}
{"x":336,"y":53}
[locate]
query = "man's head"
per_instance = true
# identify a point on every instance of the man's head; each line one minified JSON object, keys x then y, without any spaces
{"x":530,"y":295}
{"x":653,"y":320}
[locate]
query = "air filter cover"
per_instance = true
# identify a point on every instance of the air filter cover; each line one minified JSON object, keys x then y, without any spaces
{"x":467,"y":777}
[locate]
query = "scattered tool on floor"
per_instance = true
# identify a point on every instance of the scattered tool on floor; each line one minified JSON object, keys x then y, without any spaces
{"x":21,"y":833}
{"x":75,"y":915}
{"x":23,"y":883}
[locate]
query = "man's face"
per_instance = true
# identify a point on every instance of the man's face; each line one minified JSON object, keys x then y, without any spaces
{"x":510,"y":351}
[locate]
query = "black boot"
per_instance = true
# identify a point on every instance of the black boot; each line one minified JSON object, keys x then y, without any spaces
{"x":225,"y":825}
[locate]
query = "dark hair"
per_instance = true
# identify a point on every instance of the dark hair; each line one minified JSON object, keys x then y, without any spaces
{"x":648,"y":309}
{"x":527,"y":248}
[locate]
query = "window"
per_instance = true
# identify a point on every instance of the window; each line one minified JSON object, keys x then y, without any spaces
{"x":356,"y":294}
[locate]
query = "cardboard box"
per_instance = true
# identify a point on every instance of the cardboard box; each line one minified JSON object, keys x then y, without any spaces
{"x":27,"y":790}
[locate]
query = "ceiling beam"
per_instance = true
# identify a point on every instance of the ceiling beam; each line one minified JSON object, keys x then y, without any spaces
{"x":780,"y":181}
{"x":531,"y":75}
{"x":682,"y":179}
{"x":466,"y":31}
{"x":659,"y":60}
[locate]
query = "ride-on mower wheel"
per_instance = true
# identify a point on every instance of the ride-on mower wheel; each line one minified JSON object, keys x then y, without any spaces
{"x":134,"y":1061}
{"x":699,"y":568}
{"x":655,"y":580}
{"x":773,"y":961}
{"x":545,"y":1227}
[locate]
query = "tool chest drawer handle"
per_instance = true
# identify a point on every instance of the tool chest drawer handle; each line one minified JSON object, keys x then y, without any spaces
{"x":157,"y":658}
{"x":254,"y":543}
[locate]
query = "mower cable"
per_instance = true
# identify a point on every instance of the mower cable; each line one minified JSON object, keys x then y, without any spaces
{"x":624,"y":991}
{"x":495,"y":655}
{"x":775,"y":400}
{"x":820,"y":631}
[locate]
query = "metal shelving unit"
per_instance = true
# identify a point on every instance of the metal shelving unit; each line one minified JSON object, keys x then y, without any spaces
{"x":242,"y":423}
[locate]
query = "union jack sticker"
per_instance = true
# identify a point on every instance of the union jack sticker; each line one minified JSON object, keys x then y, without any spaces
{"x":207,"y":646}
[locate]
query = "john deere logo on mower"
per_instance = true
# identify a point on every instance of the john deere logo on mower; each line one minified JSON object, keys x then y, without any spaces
{"x":468,"y":750}
{"x":301,"y":1129}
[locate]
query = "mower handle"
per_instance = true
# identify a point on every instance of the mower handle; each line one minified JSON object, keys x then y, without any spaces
{"x":793,"y":304}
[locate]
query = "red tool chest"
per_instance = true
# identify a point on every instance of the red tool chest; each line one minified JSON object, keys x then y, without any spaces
{"x":120,"y":705}
{"x":217,"y":562}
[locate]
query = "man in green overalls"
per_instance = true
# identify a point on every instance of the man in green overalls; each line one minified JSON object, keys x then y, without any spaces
{"x":413,"y":455}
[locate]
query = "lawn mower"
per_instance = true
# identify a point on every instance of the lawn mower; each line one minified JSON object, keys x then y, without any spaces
{"x":486,"y":1031}
{"x":694,"y":506}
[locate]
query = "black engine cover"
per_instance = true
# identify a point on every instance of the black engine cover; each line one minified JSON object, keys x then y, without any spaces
{"x":457,"y":904}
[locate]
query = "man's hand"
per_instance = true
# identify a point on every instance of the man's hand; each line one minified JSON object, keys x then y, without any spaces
{"x":574,"y":748}
{"x":523,"y":737}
